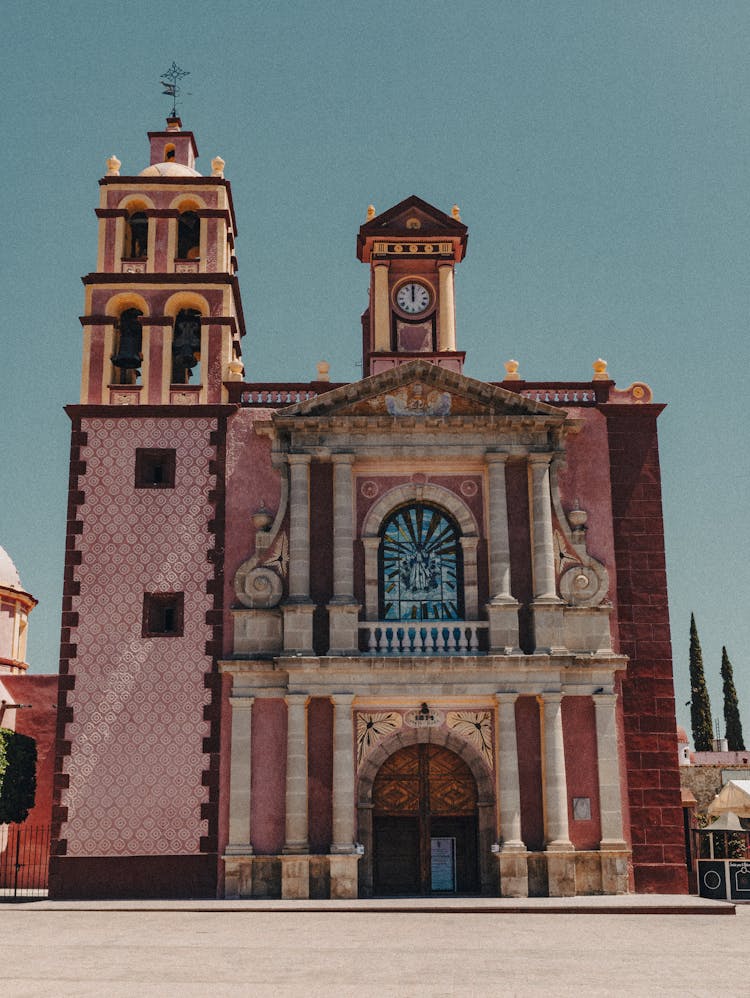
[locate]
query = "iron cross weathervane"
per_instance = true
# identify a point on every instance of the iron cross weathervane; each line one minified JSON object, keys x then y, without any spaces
{"x":170,"y":82}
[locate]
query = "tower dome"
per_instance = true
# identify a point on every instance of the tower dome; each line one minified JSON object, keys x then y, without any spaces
{"x":15,"y":606}
{"x":9,"y":577}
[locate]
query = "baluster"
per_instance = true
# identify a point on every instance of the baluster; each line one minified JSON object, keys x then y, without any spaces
{"x":400,"y":634}
{"x":423,"y":640}
{"x":372,"y":640}
{"x":462,"y":643}
{"x":388,"y":639}
{"x":411,"y":631}
{"x":474,"y":639}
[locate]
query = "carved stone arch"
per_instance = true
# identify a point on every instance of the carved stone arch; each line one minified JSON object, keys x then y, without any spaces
{"x":118,"y":304}
{"x":187,"y":202}
{"x":410,"y":492}
{"x":439,"y":496}
{"x":186,"y":299}
{"x":486,"y":798}
{"x":136,"y":202}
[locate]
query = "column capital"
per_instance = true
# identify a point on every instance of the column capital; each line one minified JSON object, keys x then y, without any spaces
{"x":604,"y":699}
{"x":552,"y":696}
{"x":342,"y":699}
{"x":297,"y":698}
{"x":296,"y":458}
{"x":496,"y":457}
{"x":507,"y":698}
{"x":241,"y":703}
{"x":445,"y":263}
{"x":541,"y":459}
{"x":381,"y":263}
{"x":343,"y":457}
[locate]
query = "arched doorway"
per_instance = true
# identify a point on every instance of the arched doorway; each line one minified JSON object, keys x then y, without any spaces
{"x":425,"y":823}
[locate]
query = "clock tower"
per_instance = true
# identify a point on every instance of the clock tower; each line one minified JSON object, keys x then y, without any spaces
{"x":412,"y":250}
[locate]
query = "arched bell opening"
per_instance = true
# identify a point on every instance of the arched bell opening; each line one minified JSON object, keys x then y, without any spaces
{"x":136,"y":236}
{"x":128,"y":356}
{"x":426,"y":820}
{"x":188,"y":236}
{"x":186,"y":347}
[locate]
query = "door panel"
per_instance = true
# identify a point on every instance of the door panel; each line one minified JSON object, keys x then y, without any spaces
{"x":423,"y":792}
{"x":397,"y":866}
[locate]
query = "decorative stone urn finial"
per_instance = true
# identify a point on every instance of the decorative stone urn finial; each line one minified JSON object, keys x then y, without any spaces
{"x":236,"y":370}
{"x":370,"y":212}
{"x":456,"y":212}
{"x":113,"y":166}
{"x":217,"y":167}
{"x":511,"y":371}
{"x":578,"y":517}
{"x":323,"y":370}
{"x":262,"y":519}
{"x":600,"y":370}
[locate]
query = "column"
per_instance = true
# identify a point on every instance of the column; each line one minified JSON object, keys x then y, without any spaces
{"x":541,"y":509}
{"x":447,"y":315}
{"x":561,"y":873}
{"x":296,"y":774}
{"x":381,"y":309}
{"x":299,"y":527}
{"x":547,"y":609}
{"x":507,"y":763}
{"x":238,"y":869}
{"x":295,"y":861}
{"x":610,"y":791}
{"x":502,"y":609}
{"x":613,"y":849}
{"x":344,"y":832}
{"x":343,"y":528}
{"x":343,"y":612}
{"x":514,"y":871}
{"x":239,"y":777}
{"x":299,"y":608}
{"x":556,"y":786}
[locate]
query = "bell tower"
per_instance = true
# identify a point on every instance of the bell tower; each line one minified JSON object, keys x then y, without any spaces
{"x":163,"y":316}
{"x":412,"y":250}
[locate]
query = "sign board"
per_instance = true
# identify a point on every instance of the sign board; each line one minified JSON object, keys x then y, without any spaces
{"x":443,"y":863}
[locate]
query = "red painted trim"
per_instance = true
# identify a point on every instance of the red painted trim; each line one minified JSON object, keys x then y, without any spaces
{"x":133,"y":411}
{"x":133,"y":877}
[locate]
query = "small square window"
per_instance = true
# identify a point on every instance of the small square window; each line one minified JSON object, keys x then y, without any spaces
{"x":163,"y":615}
{"x":155,"y":468}
{"x":582,"y":809}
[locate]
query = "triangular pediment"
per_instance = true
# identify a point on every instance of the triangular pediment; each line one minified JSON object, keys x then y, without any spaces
{"x":419,"y":389}
{"x":413,"y":218}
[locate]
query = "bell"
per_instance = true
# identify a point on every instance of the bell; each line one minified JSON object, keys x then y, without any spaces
{"x":128,"y":356}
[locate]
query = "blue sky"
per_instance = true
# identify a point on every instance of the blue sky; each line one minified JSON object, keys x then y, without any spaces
{"x":599,"y":152}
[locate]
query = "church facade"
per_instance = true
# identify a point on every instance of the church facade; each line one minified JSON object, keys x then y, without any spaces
{"x":407,"y":635}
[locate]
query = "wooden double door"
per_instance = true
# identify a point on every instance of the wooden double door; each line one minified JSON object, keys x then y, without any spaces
{"x":425,"y":823}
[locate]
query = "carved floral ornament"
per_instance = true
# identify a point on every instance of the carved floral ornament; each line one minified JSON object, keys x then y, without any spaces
{"x":472,"y":726}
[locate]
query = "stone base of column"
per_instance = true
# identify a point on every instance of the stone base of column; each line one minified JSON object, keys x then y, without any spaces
{"x":298,"y":627}
{"x":343,"y":628}
{"x":295,"y":878}
{"x":238,"y":876}
{"x":561,"y":873}
{"x":549,"y":628}
{"x":615,"y":871}
{"x":257,"y":631}
{"x":503,"y":618}
{"x":343,"y":869}
{"x":514,"y":872}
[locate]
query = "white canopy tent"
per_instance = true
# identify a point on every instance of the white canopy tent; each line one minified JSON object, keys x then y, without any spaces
{"x":734,"y":796}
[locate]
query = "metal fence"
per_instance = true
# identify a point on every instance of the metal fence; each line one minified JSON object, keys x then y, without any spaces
{"x":24,"y":860}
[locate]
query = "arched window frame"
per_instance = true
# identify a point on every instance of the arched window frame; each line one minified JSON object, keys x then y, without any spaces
{"x":434,"y":495}
{"x":132,"y":245}
{"x":191,"y":252}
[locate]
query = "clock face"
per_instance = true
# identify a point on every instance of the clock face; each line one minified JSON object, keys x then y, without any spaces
{"x":413,"y":298}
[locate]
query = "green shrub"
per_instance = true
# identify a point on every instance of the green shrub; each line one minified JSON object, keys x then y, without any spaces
{"x":17,"y":776}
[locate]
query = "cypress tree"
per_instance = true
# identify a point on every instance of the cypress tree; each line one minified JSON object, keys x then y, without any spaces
{"x":732,"y":722}
{"x":700,"y":705}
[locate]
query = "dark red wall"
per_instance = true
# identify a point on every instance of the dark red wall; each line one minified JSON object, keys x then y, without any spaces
{"x":581,"y":771}
{"x":39,"y":722}
{"x":648,"y":689}
{"x":268,"y":786}
{"x":320,"y":773}
{"x":529,"y":739}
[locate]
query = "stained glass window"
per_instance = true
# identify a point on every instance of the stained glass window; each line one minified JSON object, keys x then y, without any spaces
{"x":420,"y":565}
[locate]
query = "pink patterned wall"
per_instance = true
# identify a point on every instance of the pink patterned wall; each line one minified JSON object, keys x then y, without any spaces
{"x":137,"y":731}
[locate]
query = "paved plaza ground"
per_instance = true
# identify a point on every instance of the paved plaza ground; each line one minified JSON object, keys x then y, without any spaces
{"x":186,"y":949}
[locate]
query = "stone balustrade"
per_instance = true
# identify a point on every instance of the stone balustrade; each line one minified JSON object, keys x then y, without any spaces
{"x":434,"y":638}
